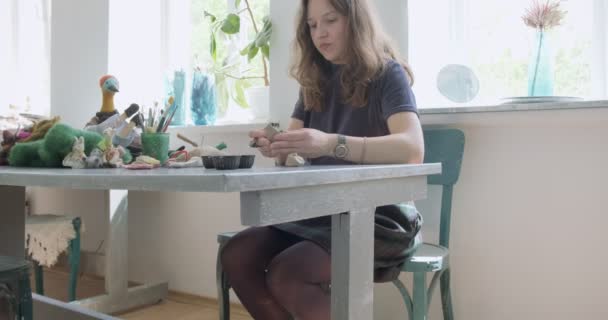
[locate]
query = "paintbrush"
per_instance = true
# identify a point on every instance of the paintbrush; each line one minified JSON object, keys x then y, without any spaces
{"x":168,"y":122}
{"x":163,"y":119}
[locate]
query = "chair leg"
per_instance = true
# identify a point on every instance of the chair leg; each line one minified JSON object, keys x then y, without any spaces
{"x":223,"y":297}
{"x":25,"y":300}
{"x":74,"y":260}
{"x":420,"y":296}
{"x":446,"y":296}
{"x":407,"y":300}
{"x":39,"y":276}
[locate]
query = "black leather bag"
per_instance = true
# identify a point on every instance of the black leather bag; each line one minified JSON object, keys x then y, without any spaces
{"x":397,"y":236}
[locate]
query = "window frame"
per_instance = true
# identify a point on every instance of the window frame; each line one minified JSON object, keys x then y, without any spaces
{"x":599,"y":50}
{"x":168,"y":61}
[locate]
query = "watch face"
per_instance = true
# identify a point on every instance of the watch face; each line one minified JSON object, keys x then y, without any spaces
{"x":341,"y":151}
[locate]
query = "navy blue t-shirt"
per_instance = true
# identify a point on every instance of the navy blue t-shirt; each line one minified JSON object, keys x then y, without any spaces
{"x":389,"y":93}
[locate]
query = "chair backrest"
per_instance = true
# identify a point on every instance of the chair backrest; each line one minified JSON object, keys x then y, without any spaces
{"x":445,"y":146}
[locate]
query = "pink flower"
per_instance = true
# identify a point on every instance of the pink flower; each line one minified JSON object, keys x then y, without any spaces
{"x":543,"y":15}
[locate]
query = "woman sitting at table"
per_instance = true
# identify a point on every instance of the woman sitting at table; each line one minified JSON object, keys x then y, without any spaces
{"x":355,"y":107}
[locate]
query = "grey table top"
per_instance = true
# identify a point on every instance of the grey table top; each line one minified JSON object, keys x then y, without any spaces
{"x":205,"y":180}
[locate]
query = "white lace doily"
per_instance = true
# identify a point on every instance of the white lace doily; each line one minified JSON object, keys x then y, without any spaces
{"x":47,"y":236}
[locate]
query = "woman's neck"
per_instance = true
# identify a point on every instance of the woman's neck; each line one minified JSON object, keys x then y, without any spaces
{"x":107,"y":104}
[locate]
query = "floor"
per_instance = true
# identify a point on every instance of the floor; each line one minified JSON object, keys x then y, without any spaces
{"x":177,"y":307}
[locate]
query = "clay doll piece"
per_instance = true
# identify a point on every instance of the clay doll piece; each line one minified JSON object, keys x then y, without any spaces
{"x":126,"y":133}
{"x":270,"y":132}
{"x":95,"y":159}
{"x":76,"y":158}
{"x":294,"y":160}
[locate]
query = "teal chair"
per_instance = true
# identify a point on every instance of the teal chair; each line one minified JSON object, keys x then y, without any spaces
{"x":15,"y":287}
{"x":445,"y":146}
{"x":73,"y":256}
{"x":441,"y":145}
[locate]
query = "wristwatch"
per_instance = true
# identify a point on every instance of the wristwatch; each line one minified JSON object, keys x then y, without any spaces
{"x":341,"y":150}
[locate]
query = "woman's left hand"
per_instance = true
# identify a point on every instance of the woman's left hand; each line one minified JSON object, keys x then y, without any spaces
{"x":308,"y":143}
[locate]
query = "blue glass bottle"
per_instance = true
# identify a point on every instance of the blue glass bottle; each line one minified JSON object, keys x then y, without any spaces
{"x":540,"y":68}
{"x":179,"y":87}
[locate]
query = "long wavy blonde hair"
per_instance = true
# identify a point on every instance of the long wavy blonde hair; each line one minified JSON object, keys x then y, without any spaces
{"x":368,"y":50}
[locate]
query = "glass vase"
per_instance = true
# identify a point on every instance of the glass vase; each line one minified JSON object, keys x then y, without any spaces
{"x":540,"y":68}
{"x":203,"y":106}
{"x":179,"y":88}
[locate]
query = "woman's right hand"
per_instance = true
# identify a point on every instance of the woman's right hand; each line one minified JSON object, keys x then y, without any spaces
{"x":262,"y":143}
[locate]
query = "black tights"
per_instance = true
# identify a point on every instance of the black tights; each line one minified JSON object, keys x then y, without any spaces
{"x":278,"y":277}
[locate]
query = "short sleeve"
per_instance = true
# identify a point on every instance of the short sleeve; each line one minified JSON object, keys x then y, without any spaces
{"x":396,"y":92}
{"x":299,"y":112}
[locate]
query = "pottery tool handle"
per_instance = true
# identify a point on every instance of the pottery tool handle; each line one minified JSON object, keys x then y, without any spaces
{"x":185,"y":139}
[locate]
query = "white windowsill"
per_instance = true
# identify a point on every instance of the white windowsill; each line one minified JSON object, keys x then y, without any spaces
{"x":514,"y":115}
{"x":493,"y":115}
{"x":518,"y":107}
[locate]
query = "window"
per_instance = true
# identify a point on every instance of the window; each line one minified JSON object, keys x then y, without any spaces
{"x":24,"y":57}
{"x":170,"y":36}
{"x":490,"y":37}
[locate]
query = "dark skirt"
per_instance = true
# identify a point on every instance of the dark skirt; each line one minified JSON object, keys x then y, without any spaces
{"x":396,"y":236}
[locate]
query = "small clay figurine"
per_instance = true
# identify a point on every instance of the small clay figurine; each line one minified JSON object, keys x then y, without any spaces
{"x":294,"y":160}
{"x":95,"y":159}
{"x":270,"y":130}
{"x":76,"y":158}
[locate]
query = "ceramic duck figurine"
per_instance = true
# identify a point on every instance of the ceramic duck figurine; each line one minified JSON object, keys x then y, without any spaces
{"x":109,"y":86}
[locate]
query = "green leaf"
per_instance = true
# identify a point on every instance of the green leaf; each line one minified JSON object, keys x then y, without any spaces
{"x":246,"y":49}
{"x":213,"y":47}
{"x":222,"y":94}
{"x":237,"y":3}
{"x":253,"y":51}
{"x":263,"y":37}
{"x":210,"y":16}
{"x":232,"y":24}
{"x":267,"y":24}
{"x":266,"y":51}
{"x":239,"y":97}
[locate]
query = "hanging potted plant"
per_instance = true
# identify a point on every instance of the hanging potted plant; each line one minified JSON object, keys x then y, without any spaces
{"x":232,"y":82}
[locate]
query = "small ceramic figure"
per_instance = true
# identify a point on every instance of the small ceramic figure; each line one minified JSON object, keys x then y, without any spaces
{"x":76,"y":159}
{"x":294,"y":160}
{"x":95,"y":159}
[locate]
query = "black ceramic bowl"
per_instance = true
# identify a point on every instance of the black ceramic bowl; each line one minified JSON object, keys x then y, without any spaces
{"x":208,"y":162}
{"x":226,"y":162}
{"x":247,"y":161}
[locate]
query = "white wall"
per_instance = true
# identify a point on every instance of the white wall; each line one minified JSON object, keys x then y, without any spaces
{"x":79,"y":57}
{"x":528,"y":216}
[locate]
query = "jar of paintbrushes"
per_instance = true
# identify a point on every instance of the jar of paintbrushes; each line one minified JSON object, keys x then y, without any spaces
{"x":155,"y":139}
